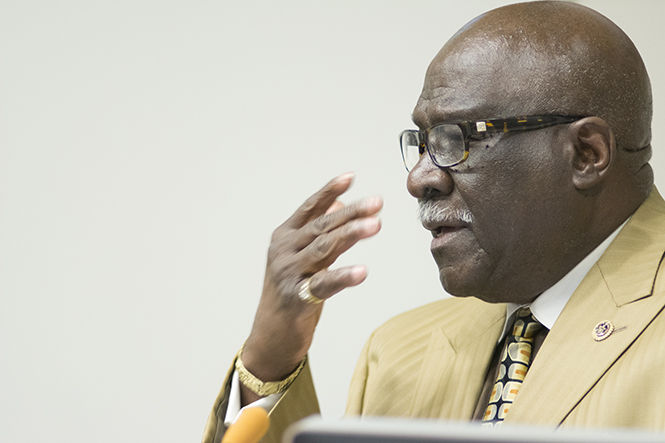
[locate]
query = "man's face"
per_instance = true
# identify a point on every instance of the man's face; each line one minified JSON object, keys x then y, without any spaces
{"x":515,"y":186}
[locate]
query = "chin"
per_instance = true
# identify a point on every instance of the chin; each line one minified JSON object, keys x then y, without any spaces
{"x":456,"y":285}
{"x":468,"y":272}
{"x":461,"y":286}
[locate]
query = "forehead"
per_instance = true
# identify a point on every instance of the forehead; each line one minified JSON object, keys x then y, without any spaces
{"x":474,"y":81}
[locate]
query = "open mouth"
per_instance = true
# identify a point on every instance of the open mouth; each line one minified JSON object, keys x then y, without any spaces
{"x":442,"y":230}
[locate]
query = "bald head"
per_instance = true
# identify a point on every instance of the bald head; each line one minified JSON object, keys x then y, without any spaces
{"x":540,"y":199}
{"x":550,"y":58}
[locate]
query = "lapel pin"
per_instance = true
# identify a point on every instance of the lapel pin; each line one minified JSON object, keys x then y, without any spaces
{"x":602,"y":330}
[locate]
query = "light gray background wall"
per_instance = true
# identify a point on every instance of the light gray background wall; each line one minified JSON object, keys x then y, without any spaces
{"x":147,"y":150}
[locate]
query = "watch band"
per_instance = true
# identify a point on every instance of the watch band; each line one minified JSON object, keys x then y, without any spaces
{"x":264,"y":388}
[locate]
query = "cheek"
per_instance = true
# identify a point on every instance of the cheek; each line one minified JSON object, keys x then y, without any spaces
{"x":512,"y":198}
{"x":519,"y":206}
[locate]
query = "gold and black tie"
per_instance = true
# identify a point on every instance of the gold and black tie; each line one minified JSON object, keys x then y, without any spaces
{"x":515,"y":361}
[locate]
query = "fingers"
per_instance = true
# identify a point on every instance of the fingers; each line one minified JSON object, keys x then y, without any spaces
{"x":334,"y":218}
{"x":336,"y":206}
{"x":325,"y":284}
{"x":321,"y":201}
{"x":326,"y":248}
{"x":314,"y":237}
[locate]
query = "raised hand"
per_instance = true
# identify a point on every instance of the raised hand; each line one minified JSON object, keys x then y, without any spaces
{"x":303,"y":248}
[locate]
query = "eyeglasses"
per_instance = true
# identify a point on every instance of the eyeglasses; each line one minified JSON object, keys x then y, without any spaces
{"x":447,"y":143}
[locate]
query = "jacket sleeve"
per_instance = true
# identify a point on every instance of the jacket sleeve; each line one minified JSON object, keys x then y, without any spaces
{"x":355,"y":402}
{"x":298,"y":402}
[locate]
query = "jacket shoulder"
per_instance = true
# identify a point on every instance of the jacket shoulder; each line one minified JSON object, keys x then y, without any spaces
{"x":450,"y":316}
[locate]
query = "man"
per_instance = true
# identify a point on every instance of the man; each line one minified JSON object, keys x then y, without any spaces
{"x":531,"y":170}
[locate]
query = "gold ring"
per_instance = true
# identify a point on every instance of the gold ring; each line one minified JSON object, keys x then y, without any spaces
{"x":305,"y":294}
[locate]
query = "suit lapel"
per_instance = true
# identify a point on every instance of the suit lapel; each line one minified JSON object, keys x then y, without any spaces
{"x":619,"y":289}
{"x":456,"y":360}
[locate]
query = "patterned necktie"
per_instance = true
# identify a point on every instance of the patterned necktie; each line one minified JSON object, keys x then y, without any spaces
{"x":515,"y":361}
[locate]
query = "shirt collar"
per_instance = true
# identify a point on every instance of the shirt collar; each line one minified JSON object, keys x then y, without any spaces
{"x":548,"y":305}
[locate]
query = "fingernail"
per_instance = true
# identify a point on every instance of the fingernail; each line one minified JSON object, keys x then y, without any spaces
{"x":359,"y":271}
{"x":370,"y":223}
{"x":373,"y":201}
{"x":347,"y":176}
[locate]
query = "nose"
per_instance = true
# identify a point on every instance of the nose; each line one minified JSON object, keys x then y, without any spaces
{"x":427,"y":180}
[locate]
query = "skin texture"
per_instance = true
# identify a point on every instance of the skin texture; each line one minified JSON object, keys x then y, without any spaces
{"x":541,"y":200}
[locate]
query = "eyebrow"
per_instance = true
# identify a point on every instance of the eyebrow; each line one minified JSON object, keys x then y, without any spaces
{"x":425,"y":122}
{"x":416,"y":122}
{"x":420,"y":119}
{"x":434,"y":116}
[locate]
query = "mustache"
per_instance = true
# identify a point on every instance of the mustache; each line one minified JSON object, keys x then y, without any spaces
{"x":430,"y":212}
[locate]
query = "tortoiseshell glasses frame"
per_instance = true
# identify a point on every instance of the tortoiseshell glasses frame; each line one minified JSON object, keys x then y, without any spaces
{"x":447,"y":143}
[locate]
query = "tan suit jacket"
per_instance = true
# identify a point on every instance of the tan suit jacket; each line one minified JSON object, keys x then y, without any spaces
{"x":432,"y":361}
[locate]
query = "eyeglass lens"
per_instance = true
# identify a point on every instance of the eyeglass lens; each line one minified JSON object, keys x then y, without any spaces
{"x":445,"y":143}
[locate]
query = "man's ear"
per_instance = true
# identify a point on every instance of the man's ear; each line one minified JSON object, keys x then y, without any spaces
{"x":593,"y":151}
